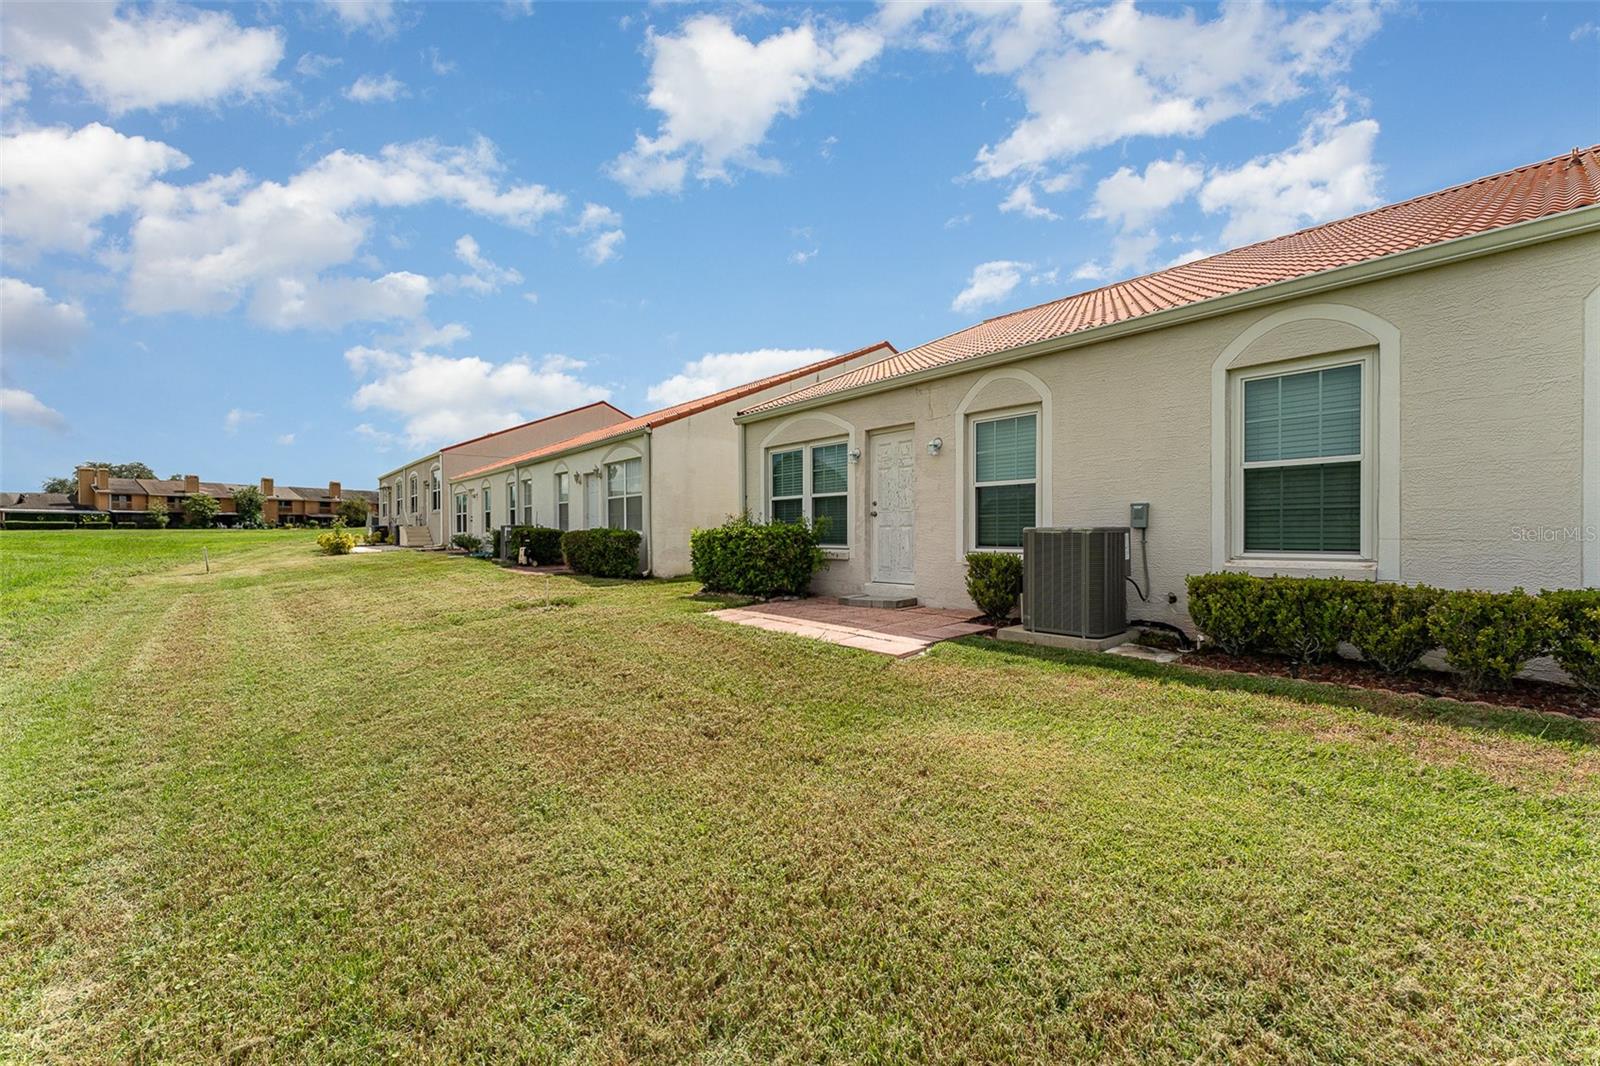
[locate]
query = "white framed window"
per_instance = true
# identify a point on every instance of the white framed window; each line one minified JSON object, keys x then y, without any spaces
{"x":563,"y":500}
{"x":461,"y":512}
{"x":1005,"y":478}
{"x":383,"y":504}
{"x":435,"y":478}
{"x":527,"y":501}
{"x":812,"y":482}
{"x":625,"y":495}
{"x":1301,"y":468}
{"x":511,"y":498}
{"x":413,"y":494}
{"x":487,"y":492}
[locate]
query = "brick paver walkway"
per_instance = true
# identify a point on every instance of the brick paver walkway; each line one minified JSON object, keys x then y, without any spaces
{"x":898,"y":632}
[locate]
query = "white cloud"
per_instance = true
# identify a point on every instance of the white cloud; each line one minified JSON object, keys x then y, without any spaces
{"x":441,"y":398}
{"x":1132,"y":200}
{"x":331,"y":303}
{"x":380,"y":440}
{"x":597,"y":216}
{"x":32,"y":324}
{"x":1022,"y":201}
{"x":1584,"y":29}
{"x":202,"y":248}
{"x":719,"y":93}
{"x":1327,"y":174}
{"x":376,"y":17}
{"x":127,"y":57}
{"x":237,"y":417}
{"x":58,"y":184}
{"x":1090,"y":77}
{"x":439,"y":65}
{"x":957,"y":221}
{"x":315,"y":65}
{"x":604,"y":247}
{"x":802,"y":257}
{"x":486,"y":276}
{"x":286,"y":438}
{"x":371,"y":88}
{"x":724,"y":370}
{"x":24,"y":407}
{"x":990,"y":283}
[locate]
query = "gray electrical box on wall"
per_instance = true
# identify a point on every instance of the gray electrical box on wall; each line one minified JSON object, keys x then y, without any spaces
{"x":1139,"y":515}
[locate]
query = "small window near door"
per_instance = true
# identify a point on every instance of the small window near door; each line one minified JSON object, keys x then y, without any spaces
{"x":563,"y":504}
{"x":511,"y":499}
{"x":461,"y":512}
{"x":789,"y":486}
{"x":1005,"y":479}
{"x":413,"y":494}
{"x":436,"y":490}
{"x":625,"y":495}
{"x":527,"y":501}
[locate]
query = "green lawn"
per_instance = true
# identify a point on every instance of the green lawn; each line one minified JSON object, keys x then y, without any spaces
{"x":402,"y":806}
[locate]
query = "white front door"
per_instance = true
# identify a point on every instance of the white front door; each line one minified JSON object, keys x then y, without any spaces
{"x":893,"y":507}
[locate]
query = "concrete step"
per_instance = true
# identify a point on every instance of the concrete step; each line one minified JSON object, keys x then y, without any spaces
{"x":891,"y":602}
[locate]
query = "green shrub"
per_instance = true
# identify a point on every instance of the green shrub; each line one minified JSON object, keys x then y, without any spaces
{"x":40,"y":523}
{"x":95,"y":521}
{"x":1389,"y":624}
{"x":1230,"y":609}
{"x":248,"y":504}
{"x":602,"y":552}
{"x":337,"y":540}
{"x":994,"y":581}
{"x":494,"y":544}
{"x":542,"y":544}
{"x":1571,"y":619}
{"x":375,"y":536}
{"x":159,"y":515}
{"x":1487,"y":636}
{"x":1304,"y":618}
{"x":465,"y":541}
{"x":200,"y":510}
{"x":751,"y":558}
{"x":354,"y":511}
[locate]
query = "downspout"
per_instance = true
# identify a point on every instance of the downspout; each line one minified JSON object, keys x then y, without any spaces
{"x":650,"y":498}
{"x":744,"y":481}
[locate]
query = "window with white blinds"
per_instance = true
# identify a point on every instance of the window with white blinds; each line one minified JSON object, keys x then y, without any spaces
{"x":1301,"y":460}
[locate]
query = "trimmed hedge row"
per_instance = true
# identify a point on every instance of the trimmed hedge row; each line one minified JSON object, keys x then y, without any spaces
{"x":40,"y":523}
{"x":542,"y":544}
{"x":750,"y":558}
{"x":602,"y":552}
{"x":1487,"y":636}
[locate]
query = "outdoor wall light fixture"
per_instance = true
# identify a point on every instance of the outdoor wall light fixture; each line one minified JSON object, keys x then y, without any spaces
{"x":934,"y":445}
{"x":855,"y":455}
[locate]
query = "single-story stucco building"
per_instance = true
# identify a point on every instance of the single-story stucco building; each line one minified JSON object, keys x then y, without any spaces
{"x":1411,"y":394}
{"x":411,"y":496}
{"x":662,"y":474}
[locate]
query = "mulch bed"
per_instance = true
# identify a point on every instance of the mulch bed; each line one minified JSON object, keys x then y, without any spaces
{"x":1524,"y":695}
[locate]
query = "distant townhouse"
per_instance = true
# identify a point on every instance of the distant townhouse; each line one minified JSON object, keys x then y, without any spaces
{"x":127,"y":501}
{"x":410,"y":496}
{"x":661,"y":474}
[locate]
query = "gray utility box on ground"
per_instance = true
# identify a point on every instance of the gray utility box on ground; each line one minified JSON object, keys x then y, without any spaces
{"x":1073,"y":581}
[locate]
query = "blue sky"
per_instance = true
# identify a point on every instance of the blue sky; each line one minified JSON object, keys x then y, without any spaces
{"x":309,"y":240}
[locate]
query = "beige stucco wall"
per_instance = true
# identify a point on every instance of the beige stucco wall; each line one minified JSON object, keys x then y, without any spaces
{"x":1487,"y":446}
{"x":689,"y":469}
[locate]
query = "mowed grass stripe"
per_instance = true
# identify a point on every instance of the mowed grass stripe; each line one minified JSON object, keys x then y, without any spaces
{"x":404,"y":806}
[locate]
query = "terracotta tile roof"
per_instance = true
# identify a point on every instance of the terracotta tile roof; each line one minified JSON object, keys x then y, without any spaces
{"x":674,"y":413}
{"x":536,"y":421}
{"x":1563,"y":183}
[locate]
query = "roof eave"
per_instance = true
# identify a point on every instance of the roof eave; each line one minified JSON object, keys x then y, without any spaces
{"x":512,"y":464}
{"x":1535,"y":231}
